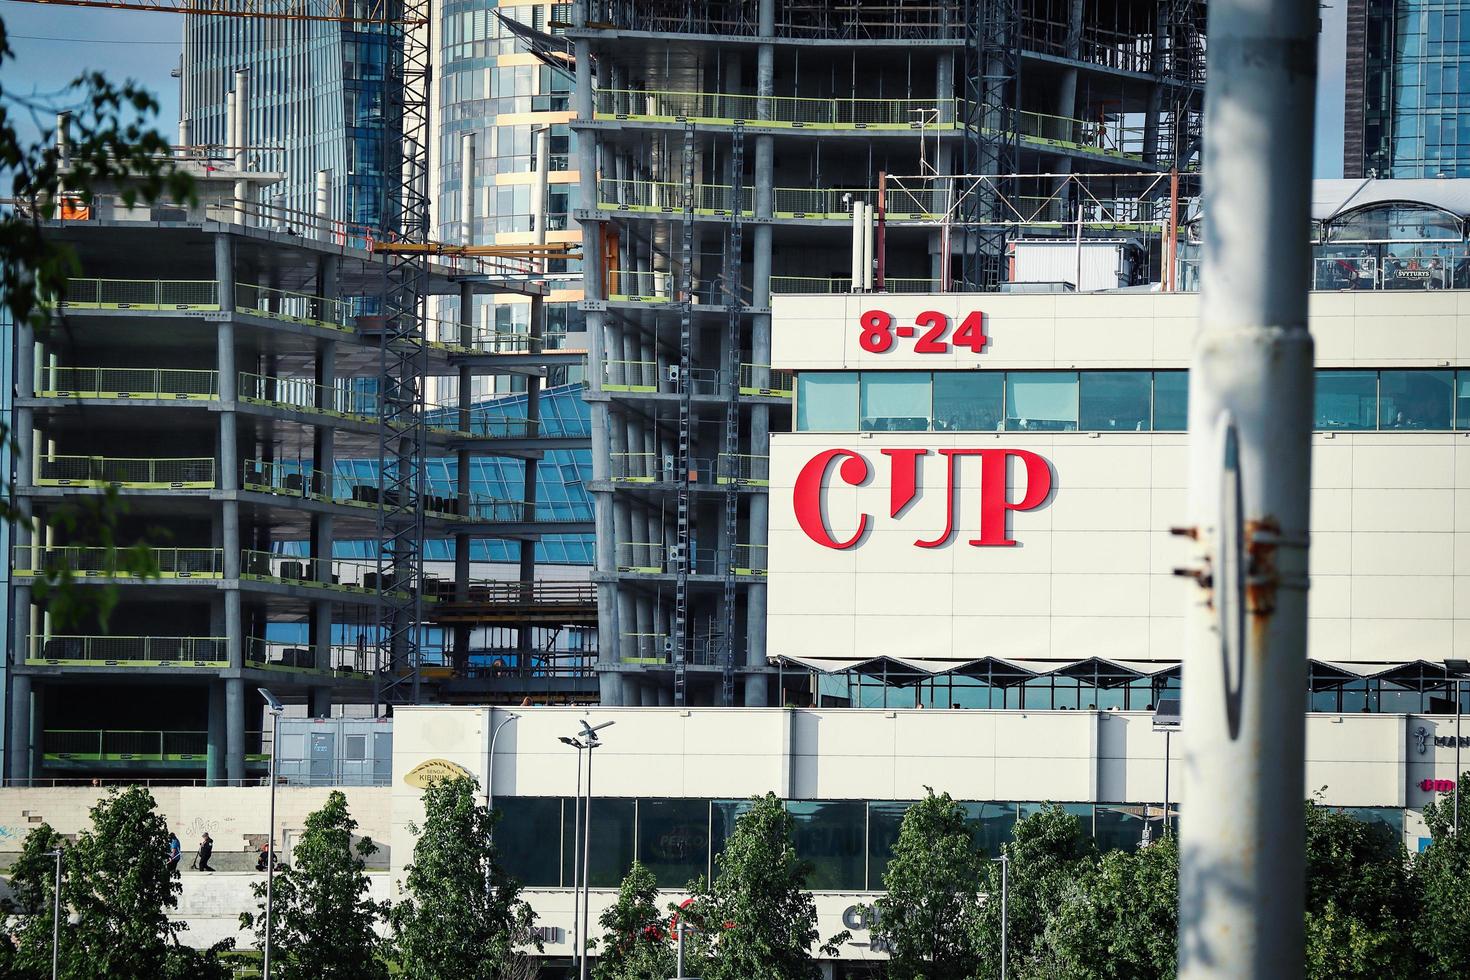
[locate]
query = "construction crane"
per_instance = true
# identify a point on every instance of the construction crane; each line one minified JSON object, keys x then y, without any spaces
{"x":380,"y":12}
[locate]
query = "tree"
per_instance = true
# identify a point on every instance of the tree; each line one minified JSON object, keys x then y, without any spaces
{"x":757,"y":919}
{"x":115,"y":881}
{"x":636,"y":942}
{"x":1047,"y":853}
{"x":1442,"y":872}
{"x":110,"y":142}
{"x":928,"y":915}
{"x":1120,"y":920}
{"x":1361,"y":900}
{"x":324,"y":923}
{"x":464,"y":915}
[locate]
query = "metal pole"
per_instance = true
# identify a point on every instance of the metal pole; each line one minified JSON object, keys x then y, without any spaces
{"x":679,"y":931}
{"x":882,"y":226}
{"x":1167,"y":737}
{"x":1457,"y":755}
{"x":1005,"y":898}
{"x":56,"y":918}
{"x":587,"y":859}
{"x":1250,"y":418}
{"x":490,"y":763}
{"x":577,"y":944}
{"x":270,"y":854}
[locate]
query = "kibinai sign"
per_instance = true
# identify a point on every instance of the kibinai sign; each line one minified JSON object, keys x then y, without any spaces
{"x":911,"y":470}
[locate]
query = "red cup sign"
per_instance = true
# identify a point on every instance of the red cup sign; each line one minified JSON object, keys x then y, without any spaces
{"x":1437,"y":785}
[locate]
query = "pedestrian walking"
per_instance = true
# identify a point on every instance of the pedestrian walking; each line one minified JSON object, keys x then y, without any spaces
{"x":206,"y":848}
{"x":175,"y":852}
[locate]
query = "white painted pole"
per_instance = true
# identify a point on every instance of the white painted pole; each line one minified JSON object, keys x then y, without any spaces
{"x":241,"y":139}
{"x":540,"y":205}
{"x":469,"y":173}
{"x":855,"y":277}
{"x":869,"y":213}
{"x":324,"y":201}
{"x":1250,"y":413}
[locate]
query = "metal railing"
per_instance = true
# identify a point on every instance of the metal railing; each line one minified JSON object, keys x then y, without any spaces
{"x":302,"y":308}
{"x":275,"y":655}
{"x":305,"y":395}
{"x":130,"y":651}
{"x":445,"y":334}
{"x":656,"y":468}
{"x":814,"y":284}
{"x":339,"y":574}
{"x":657,"y":558}
{"x":667,"y":197}
{"x":186,"y":473}
{"x":630,"y":375}
{"x":633,"y":286}
{"x":540,"y":594}
{"x":170,"y":384}
{"x":750,"y":560}
{"x":655,"y":648}
{"x":783,"y":111}
{"x":744,"y":469}
{"x":141,"y":294}
{"x":762,"y":379}
{"x":482,"y":425}
{"x":113,"y":745}
{"x":92,"y":562}
{"x":1368,"y":272}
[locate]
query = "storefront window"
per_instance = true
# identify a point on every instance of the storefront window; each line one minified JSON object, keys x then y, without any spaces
{"x":884,"y":822}
{"x":1346,"y":400}
{"x":990,"y":825}
{"x":673,"y":840}
{"x":1042,"y":400}
{"x":1171,"y":401}
{"x":827,"y":402}
{"x":831,"y":836}
{"x":1462,"y":400}
{"x":1120,"y":828}
{"x":1416,"y":399}
{"x":722,"y":818}
{"x":612,"y":842}
{"x":1082,"y":811}
{"x":895,"y":401}
{"x":968,"y":401}
{"x":1116,"y":400}
{"x":526,"y":838}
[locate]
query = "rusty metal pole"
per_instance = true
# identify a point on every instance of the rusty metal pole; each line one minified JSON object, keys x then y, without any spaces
{"x":1241,"y":862}
{"x":1173,"y":244}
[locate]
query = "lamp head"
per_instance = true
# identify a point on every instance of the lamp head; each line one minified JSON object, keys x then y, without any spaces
{"x":570,"y":741}
{"x":273,"y":705}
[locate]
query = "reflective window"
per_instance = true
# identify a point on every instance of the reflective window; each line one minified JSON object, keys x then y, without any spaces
{"x":1120,"y":828}
{"x":526,"y":837}
{"x":967,"y":401}
{"x":895,"y":401}
{"x":827,"y":402}
{"x":1116,"y":401}
{"x":1082,"y":811}
{"x":1462,"y":400}
{"x":722,"y":818}
{"x":884,"y":822}
{"x":990,"y":825}
{"x":1042,"y":400}
{"x":673,"y":840}
{"x":1416,"y":399}
{"x":1171,"y":401}
{"x":831,"y":836}
{"x":612,"y":841}
{"x":1346,"y":400}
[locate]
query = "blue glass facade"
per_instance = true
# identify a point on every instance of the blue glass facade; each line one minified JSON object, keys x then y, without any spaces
{"x":317,"y":102}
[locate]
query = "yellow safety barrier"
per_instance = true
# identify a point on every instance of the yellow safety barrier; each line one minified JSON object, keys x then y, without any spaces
{"x":189,"y":473}
{"x":163,"y":384}
{"x":129,"y":651}
{"x":157,"y":295}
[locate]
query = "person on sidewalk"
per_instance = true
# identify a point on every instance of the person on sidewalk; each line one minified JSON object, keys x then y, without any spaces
{"x":175,"y":851}
{"x":206,"y":848}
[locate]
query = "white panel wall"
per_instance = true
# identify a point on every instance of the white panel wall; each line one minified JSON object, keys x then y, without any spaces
{"x":1091,"y":575}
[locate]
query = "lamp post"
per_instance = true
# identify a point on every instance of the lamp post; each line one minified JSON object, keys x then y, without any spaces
{"x":576,"y":867}
{"x":275,"y":708}
{"x":1457,"y":669}
{"x":586,"y":738}
{"x":55,"y":914}
{"x":490,"y":763}
{"x":1167,"y":720}
{"x":1005,"y":901}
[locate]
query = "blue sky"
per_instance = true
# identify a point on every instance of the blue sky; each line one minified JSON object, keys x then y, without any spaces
{"x":55,"y":44}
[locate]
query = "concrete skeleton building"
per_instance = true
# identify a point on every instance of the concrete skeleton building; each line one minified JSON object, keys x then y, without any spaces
{"x":212,"y":370}
{"x":727,"y":152}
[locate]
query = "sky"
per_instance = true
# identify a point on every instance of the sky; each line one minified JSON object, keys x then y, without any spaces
{"x":53,"y":45}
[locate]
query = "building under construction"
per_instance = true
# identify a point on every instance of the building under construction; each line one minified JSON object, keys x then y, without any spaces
{"x":728,"y":151}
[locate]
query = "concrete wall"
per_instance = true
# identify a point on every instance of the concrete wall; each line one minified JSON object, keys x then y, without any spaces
{"x":1091,"y":572}
{"x":236,"y":817}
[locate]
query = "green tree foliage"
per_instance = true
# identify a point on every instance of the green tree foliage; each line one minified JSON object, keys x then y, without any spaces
{"x":1047,"y":853}
{"x":757,"y":919}
{"x":1442,"y":872}
{"x":117,"y":885}
{"x":635,"y":943}
{"x":1119,"y":920}
{"x":928,"y":917}
{"x":464,"y":915}
{"x":1360,"y":899}
{"x":325,"y":924}
{"x":111,"y":143}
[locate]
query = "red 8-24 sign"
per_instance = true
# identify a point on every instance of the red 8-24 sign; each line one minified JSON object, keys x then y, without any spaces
{"x":930,"y":332}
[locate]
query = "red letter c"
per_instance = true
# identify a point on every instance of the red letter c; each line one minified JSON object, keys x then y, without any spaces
{"x":807,"y":495}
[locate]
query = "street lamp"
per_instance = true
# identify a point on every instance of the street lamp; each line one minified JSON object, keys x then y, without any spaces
{"x":55,"y":913}
{"x":275,"y":708}
{"x":1167,"y":720}
{"x":490,"y":763}
{"x":1457,"y":669}
{"x":1005,"y":901}
{"x":576,"y":837}
{"x":585,"y":739}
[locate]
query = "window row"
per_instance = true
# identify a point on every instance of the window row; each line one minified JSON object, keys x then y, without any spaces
{"x":847,"y":842}
{"x":1105,"y":401}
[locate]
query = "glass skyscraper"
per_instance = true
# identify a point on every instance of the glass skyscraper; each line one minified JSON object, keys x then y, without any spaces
{"x":317,"y":102}
{"x":1408,"y":89}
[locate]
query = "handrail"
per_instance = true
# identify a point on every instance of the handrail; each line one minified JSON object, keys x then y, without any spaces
{"x":292,"y":307}
{"x":795,"y":112}
{"x":169,"y":384}
{"x":141,"y":294}
{"x":305,"y":395}
{"x":279,"y":655}
{"x":143,"y":473}
{"x":762,"y":379}
{"x":341,"y":574}
{"x":94,"y":562}
{"x":130,"y":651}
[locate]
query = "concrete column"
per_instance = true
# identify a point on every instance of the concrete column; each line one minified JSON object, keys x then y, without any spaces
{"x":648,"y":693}
{"x":665,"y":696}
{"x":324,"y":203}
{"x":214,"y":765}
{"x":324,"y":460}
{"x":20,"y":729}
{"x":469,"y":170}
{"x":460,"y":640}
{"x":229,"y":459}
{"x":526,"y":633}
{"x":243,"y":189}
{"x":320,"y":702}
{"x":1151,"y":119}
{"x":235,"y":730}
{"x":593,"y":287}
